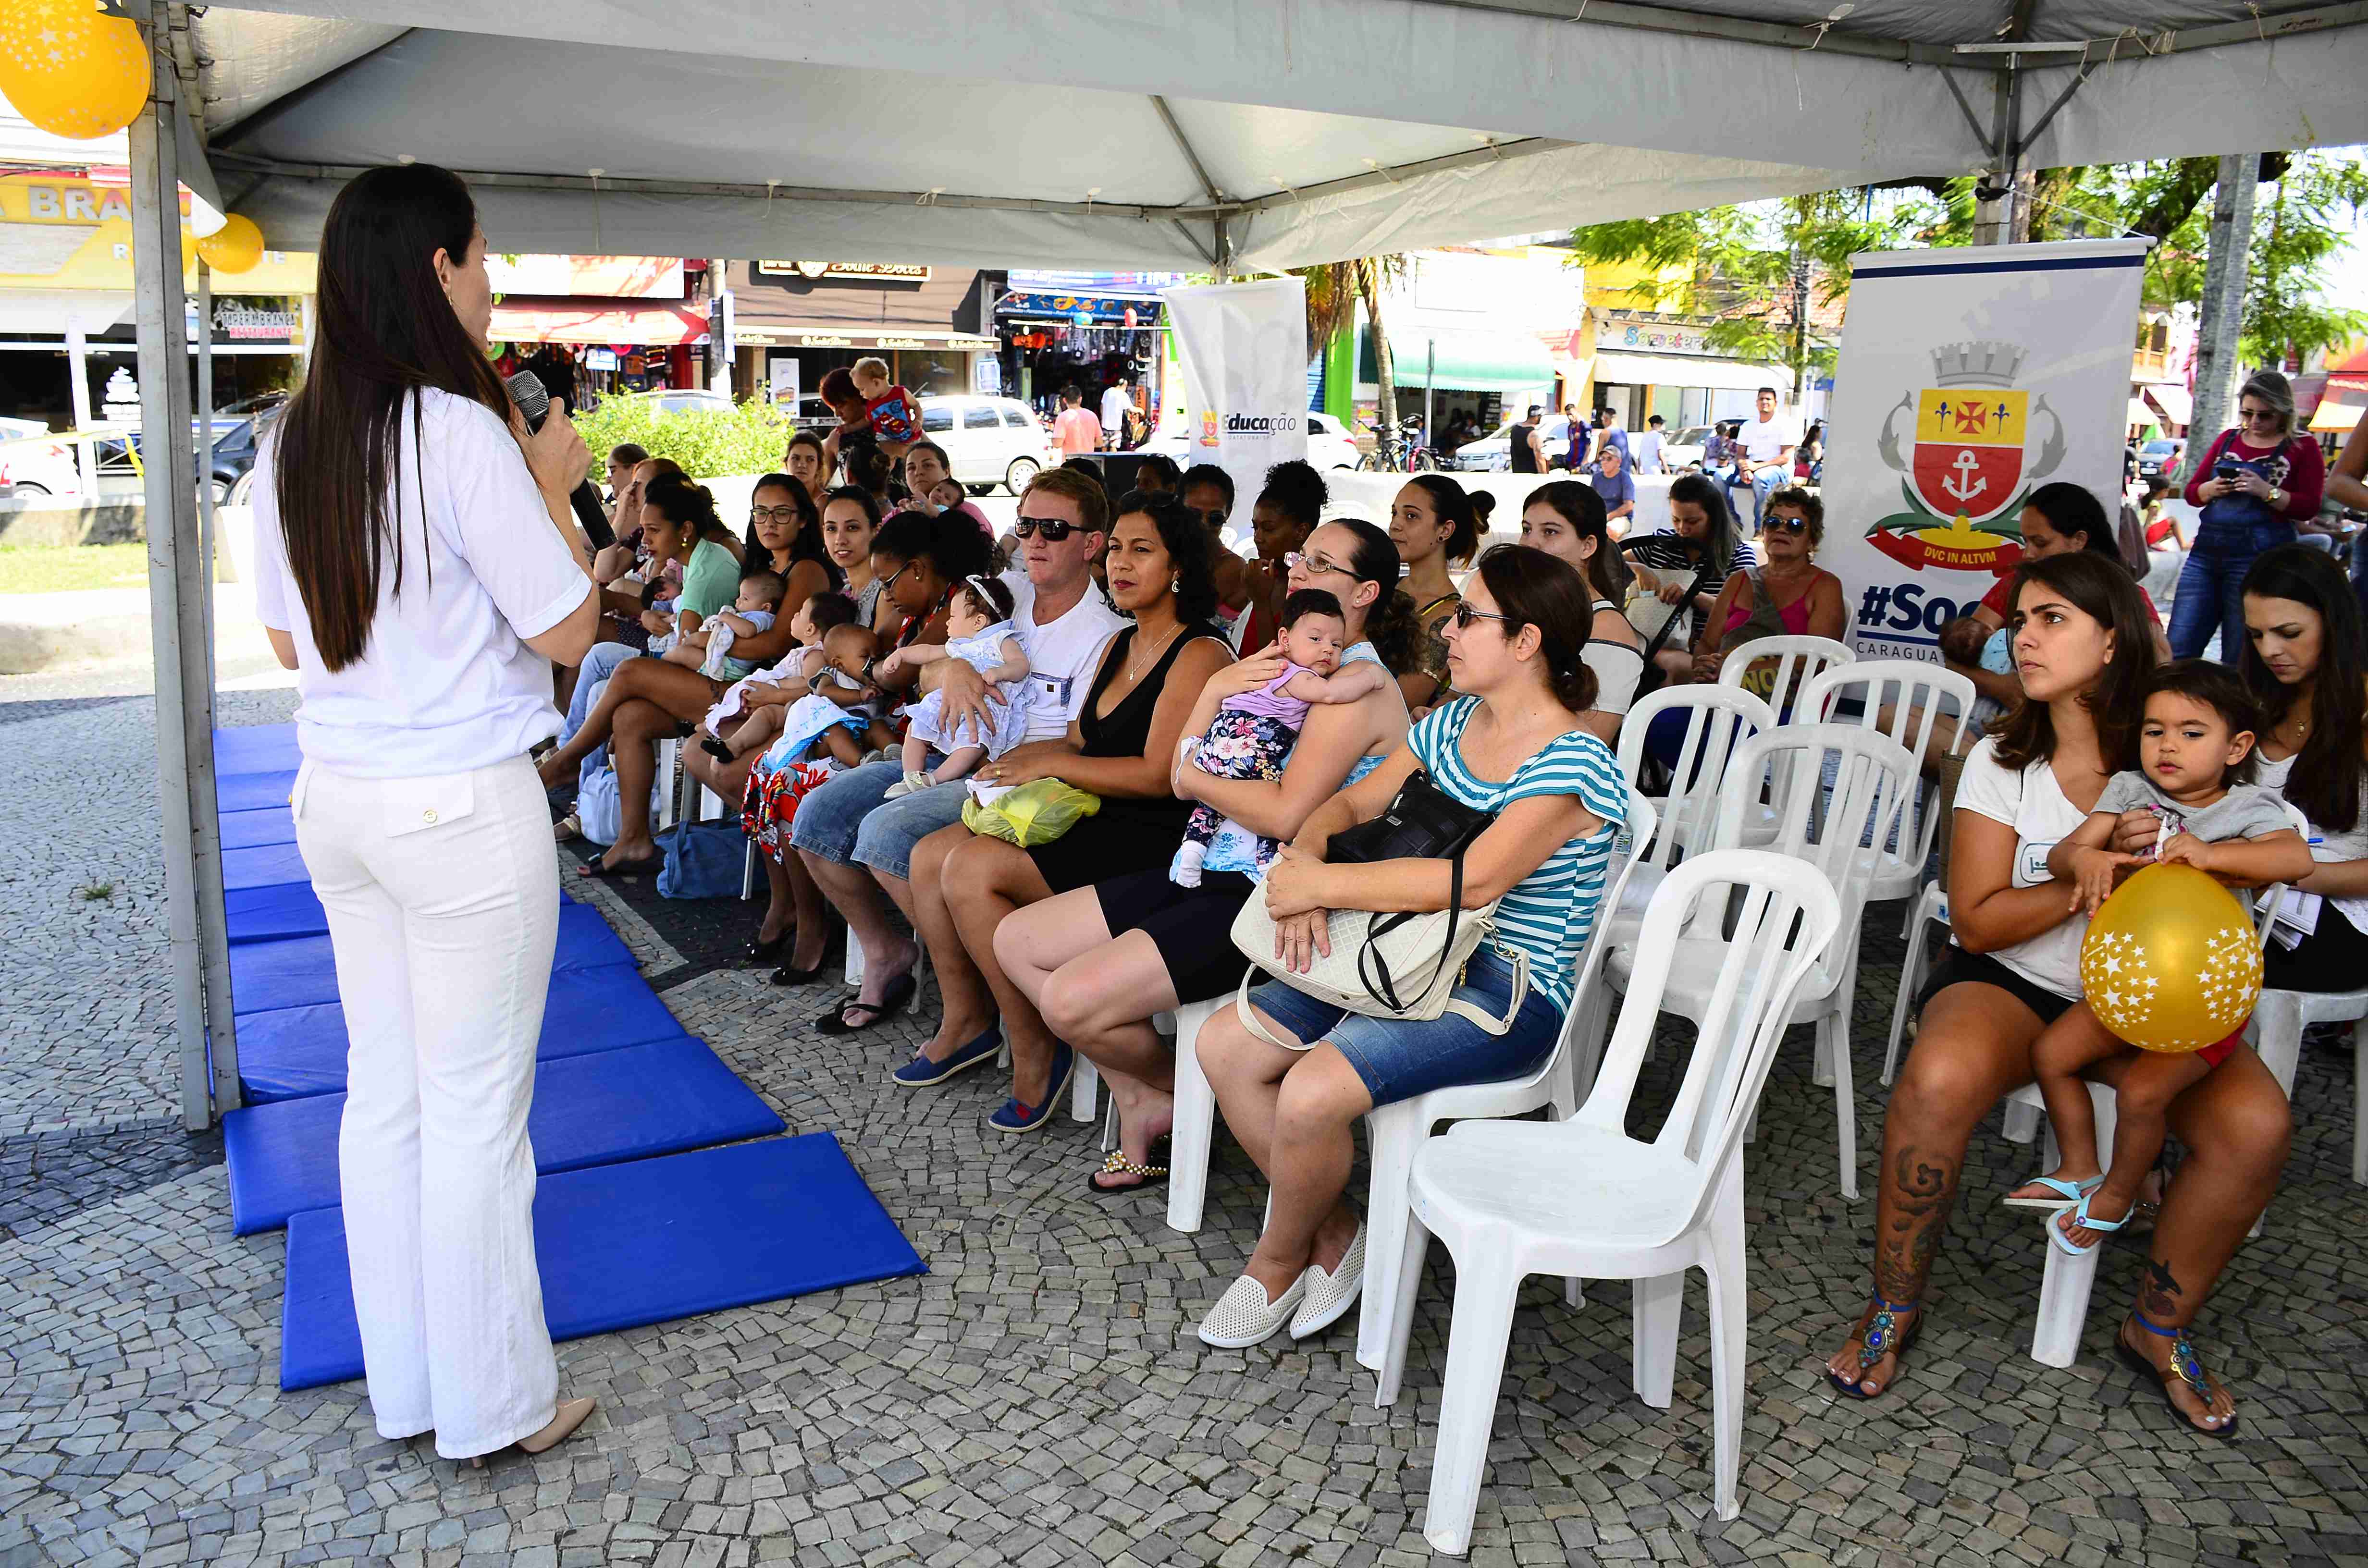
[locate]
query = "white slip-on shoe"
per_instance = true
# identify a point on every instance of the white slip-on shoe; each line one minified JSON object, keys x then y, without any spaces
{"x":1243,"y":1316}
{"x":1330,"y":1294}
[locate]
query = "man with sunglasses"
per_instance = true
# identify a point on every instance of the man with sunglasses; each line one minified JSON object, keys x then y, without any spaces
{"x":857,"y":844}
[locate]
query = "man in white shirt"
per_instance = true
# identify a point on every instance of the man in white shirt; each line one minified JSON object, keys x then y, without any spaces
{"x":1765,"y":444}
{"x":1117,"y":399}
{"x":1646,"y":447}
{"x":857,"y":843}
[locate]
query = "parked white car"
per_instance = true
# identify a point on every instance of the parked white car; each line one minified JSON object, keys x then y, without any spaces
{"x":989,"y":441}
{"x":1330,"y":444}
{"x":1493,"y":453}
{"x":678,"y":400}
{"x":1684,"y":449}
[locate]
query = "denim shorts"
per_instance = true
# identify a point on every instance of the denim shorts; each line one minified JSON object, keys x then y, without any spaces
{"x":846,"y":820}
{"x":1399,"y":1057}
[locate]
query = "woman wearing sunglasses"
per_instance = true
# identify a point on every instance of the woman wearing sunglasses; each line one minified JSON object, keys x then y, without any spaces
{"x":1791,"y":594}
{"x":1099,"y":962}
{"x":2254,"y":482}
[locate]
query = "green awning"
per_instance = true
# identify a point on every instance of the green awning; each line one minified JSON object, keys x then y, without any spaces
{"x":1468,"y":360}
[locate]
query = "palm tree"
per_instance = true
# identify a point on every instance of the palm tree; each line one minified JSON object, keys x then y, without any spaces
{"x":1334,"y":291}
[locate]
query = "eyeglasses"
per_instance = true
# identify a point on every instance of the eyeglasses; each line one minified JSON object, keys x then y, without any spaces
{"x":1054,"y":529}
{"x":1465,"y":615}
{"x":772,"y":513}
{"x":893,"y":576}
{"x":1790,"y":525}
{"x":1315,"y":566}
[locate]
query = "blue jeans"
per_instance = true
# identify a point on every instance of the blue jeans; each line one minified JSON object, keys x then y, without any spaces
{"x":847,"y":821}
{"x":2211,"y":595}
{"x":590,"y":679}
{"x":1399,"y":1057}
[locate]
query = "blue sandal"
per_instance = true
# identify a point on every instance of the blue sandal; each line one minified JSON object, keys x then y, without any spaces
{"x":2185,"y":1365}
{"x":2081,"y":1217}
{"x":1881,"y":1338}
{"x":2073,"y":1192}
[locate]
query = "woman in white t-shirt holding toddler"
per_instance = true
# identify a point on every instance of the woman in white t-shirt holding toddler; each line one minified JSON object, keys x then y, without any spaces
{"x":2084,"y":648}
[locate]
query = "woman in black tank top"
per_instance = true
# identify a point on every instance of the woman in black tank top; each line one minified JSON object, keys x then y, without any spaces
{"x":1120,"y":748}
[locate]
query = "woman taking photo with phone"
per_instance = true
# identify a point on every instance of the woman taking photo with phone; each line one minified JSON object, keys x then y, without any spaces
{"x":419,"y":567}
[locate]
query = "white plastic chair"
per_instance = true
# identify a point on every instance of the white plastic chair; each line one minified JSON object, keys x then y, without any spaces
{"x":1583,"y":1198}
{"x":1196,"y":1120}
{"x":1872,"y":778}
{"x":1914,"y":693}
{"x":2280,"y":1018}
{"x":1392,"y":1132}
{"x":1799,"y":660}
{"x":1931,"y":906}
{"x":1717,"y":719}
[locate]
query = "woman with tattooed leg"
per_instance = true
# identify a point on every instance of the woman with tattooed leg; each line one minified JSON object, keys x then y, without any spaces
{"x":2084,"y":647}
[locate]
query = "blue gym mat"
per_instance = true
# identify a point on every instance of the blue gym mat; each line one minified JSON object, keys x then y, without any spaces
{"x":263,"y":865}
{"x":588,"y":1110}
{"x":298,"y":972}
{"x":649,"y":1242}
{"x":244,"y":830}
{"x":257,"y":748}
{"x":253,"y":792}
{"x":273,"y":914}
{"x":291,"y":1052}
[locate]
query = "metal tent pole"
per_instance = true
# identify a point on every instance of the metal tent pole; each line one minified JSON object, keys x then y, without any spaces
{"x":192,"y":834}
{"x":207,"y":572}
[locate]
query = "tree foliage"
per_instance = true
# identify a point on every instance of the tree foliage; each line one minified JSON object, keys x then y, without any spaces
{"x":750,"y":439}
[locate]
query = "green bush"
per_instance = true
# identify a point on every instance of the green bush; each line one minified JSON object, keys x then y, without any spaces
{"x":748,"y":440}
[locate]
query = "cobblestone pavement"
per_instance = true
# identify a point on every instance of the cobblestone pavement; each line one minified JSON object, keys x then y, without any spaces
{"x":1038,"y":1397}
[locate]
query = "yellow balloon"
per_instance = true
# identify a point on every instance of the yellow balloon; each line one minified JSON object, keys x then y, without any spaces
{"x":70,"y":68}
{"x":234,"y":247}
{"x":2171,"y":963}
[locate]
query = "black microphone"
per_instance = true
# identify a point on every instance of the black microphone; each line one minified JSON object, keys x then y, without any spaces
{"x":533,"y":399}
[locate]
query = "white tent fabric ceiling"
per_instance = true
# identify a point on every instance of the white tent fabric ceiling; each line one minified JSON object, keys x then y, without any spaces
{"x":971,"y":132}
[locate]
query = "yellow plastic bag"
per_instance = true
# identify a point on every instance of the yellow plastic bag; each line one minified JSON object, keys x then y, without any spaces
{"x":1035,"y":813}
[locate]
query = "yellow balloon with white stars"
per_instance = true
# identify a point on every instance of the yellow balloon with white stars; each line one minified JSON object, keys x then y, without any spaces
{"x":2171,"y":962}
{"x":70,"y":68}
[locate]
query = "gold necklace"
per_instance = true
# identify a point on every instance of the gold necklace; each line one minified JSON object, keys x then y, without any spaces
{"x":1135,"y":663}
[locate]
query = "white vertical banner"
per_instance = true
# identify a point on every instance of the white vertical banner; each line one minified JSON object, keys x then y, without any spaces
{"x":1244,"y":347}
{"x":1967,"y":379}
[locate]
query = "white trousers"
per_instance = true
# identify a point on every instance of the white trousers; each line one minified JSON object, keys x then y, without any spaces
{"x":443,"y":903}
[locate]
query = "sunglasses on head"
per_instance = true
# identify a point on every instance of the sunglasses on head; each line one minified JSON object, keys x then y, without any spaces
{"x":1054,"y":529}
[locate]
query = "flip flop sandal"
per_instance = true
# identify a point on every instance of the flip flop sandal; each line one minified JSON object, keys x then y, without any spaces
{"x":2082,"y":1218}
{"x":2073,"y":1192}
{"x":567,"y":828}
{"x":1117,"y":1164}
{"x":1881,"y":1338}
{"x":900,"y":991}
{"x":2186,"y":1366}
{"x":648,"y":867}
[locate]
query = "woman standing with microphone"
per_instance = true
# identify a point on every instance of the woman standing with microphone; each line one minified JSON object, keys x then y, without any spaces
{"x":417,"y":566}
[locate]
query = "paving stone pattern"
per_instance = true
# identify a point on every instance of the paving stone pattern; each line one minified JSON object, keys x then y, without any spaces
{"x":1038,"y":1397}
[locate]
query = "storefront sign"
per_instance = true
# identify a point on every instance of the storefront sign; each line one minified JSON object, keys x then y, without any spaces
{"x":1966,"y":378}
{"x":611,"y":277}
{"x":257,"y":323}
{"x":1244,"y":347}
{"x":599,"y":358}
{"x":781,"y":379}
{"x":1081,"y":310}
{"x":882,"y":271}
{"x":1653,"y":338}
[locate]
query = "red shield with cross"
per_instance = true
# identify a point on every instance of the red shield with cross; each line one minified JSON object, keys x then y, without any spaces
{"x":1969,"y":450}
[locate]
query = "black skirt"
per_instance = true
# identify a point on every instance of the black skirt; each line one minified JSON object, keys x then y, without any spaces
{"x":1192,"y":927}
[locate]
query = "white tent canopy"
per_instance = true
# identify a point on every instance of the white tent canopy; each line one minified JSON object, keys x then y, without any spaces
{"x":1148,"y":134}
{"x":1237,"y":134}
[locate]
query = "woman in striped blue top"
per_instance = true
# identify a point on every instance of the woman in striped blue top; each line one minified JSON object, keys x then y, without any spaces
{"x":1512,"y":746}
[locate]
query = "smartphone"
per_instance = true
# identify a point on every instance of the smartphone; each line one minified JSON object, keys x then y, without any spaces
{"x":2228,"y":472}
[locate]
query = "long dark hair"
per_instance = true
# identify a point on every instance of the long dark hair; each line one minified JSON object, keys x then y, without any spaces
{"x":1391,"y":625}
{"x":385,"y":333}
{"x":806,"y":544}
{"x":1532,"y":588}
{"x":2073,"y":509}
{"x":1453,"y":505}
{"x":2325,"y":779}
{"x":679,"y":500}
{"x":1698,"y":490}
{"x":1578,"y":506}
{"x":949,"y":544}
{"x":2100,"y":588}
{"x":1187,"y":543}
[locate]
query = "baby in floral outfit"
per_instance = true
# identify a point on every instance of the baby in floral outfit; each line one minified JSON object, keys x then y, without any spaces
{"x":1252,"y":735}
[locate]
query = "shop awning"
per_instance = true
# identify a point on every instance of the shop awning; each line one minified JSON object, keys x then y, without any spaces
{"x":1468,"y":360}
{"x":597,"y":321}
{"x":793,"y":338}
{"x":2172,"y":399}
{"x":1685,"y":370}
{"x":2142,"y":413}
{"x":2334,"y":415}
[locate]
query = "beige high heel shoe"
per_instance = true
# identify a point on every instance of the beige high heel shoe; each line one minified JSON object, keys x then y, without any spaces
{"x":571,"y":1414}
